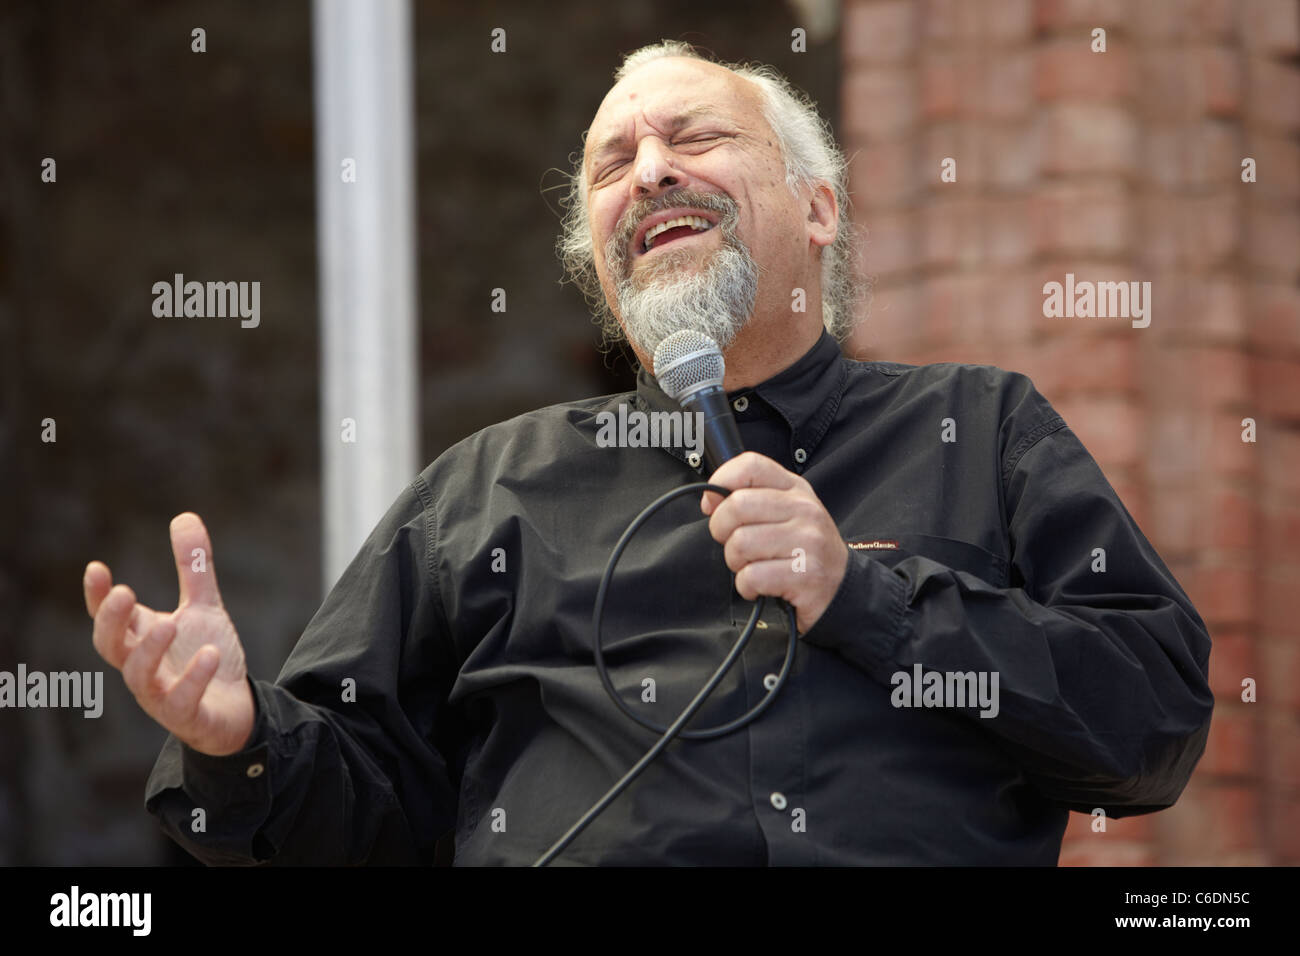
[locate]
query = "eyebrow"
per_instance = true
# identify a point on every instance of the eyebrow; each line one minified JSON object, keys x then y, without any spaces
{"x":618,"y":141}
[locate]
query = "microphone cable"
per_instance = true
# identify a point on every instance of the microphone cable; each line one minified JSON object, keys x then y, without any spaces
{"x":675,"y":730}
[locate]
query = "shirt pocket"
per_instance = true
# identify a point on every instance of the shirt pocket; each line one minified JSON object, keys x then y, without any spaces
{"x":892,"y":547}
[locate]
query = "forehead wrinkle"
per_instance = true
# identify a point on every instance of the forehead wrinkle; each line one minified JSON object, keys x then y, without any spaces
{"x":618,"y":140}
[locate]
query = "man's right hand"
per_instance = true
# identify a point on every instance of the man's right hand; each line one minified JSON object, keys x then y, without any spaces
{"x":185,"y":667}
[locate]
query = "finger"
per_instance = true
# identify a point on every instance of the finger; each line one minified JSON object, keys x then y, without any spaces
{"x":753,"y":506}
{"x":758,"y":542}
{"x":181,"y":705}
{"x":193,"y":552}
{"x":141,"y":669}
{"x":109,"y":635}
{"x":773,"y":578}
{"x":95,"y":584}
{"x":747,"y":470}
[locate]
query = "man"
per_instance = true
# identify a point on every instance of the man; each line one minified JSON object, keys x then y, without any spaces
{"x":966,"y":673}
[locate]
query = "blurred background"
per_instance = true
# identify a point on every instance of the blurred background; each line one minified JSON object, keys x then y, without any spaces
{"x":1125,"y":165}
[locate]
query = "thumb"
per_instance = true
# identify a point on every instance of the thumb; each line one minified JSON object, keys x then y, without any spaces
{"x":193,"y":552}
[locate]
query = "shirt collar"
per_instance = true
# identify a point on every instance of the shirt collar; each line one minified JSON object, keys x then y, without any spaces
{"x":806,"y":394}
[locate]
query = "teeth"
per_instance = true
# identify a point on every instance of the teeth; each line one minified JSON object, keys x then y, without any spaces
{"x":698,"y":223}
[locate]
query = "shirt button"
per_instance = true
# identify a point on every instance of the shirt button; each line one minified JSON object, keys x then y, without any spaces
{"x":741,"y":403}
{"x":800,"y":455}
{"x":255,"y":769}
{"x":770,"y":681}
{"x":778,"y":800}
{"x":693,"y":459}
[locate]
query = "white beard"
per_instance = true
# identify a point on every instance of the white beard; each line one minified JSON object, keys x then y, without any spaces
{"x":718,"y":300}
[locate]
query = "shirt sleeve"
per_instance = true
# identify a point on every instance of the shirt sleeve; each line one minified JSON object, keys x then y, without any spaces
{"x":348,"y":760}
{"x":1103,"y":698}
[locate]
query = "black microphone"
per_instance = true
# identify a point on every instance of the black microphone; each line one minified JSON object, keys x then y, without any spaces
{"x":689,"y":368}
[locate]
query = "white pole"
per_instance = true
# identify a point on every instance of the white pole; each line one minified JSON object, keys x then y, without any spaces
{"x":366,"y":240}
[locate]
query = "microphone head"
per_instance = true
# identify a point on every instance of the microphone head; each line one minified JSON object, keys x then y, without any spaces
{"x":686,"y":362}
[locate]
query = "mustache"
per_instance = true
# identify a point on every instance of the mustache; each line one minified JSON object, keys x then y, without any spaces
{"x":616,"y":250}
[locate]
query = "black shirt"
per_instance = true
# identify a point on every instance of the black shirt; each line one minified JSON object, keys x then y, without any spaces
{"x":447,"y":683}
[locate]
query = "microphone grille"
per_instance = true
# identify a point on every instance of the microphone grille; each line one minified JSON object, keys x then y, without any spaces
{"x":687,"y":361}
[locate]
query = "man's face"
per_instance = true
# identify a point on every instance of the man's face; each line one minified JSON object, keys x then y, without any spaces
{"x":684,"y":139}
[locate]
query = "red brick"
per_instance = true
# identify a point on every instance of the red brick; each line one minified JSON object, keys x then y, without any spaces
{"x":1163,"y":78}
{"x":885,"y":175}
{"x":1270,"y":26}
{"x":1093,"y":364}
{"x":1232,"y":658}
{"x":1276,"y":160}
{"x":1083,"y":219}
{"x":1285,"y":824}
{"x":1279,"y":531}
{"x":1277,"y":386}
{"x":1272,"y":93}
{"x":1216,"y":81}
{"x":953,"y":309}
{"x":1212,"y":152}
{"x":879,"y":31}
{"x":1274,"y":317}
{"x":1210,"y":821}
{"x":961,"y":141}
{"x":1232,"y":747}
{"x":948,"y":81}
{"x":1279,"y":665}
{"x":1273,"y":241}
{"x":1056,"y":14}
{"x":1178,"y":446}
{"x":1110,"y":427}
{"x":879,"y":103}
{"x":1089,"y":138}
{"x":1223,"y":593}
{"x":952,"y":229}
{"x":1175,"y":528}
{"x":1283,"y":754}
{"x":1276,"y":589}
{"x":1007,"y":21}
{"x":1006,"y":89}
{"x":1212,"y":19}
{"x":1011,"y":155}
{"x":1068,"y":69}
{"x":1007,"y":233}
{"x":1211,"y":229}
{"x":891,"y":247}
{"x":1231,"y":522}
{"x":1014,"y":303}
{"x":1159,"y":220}
{"x":894,"y":324}
{"x":1280,"y":464}
{"x":1103,"y":851}
{"x":1208,"y":309}
{"x":1201,"y":377}
{"x":950,"y":21}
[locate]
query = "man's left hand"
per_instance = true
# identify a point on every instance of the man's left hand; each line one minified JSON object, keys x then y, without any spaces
{"x":778,"y":536}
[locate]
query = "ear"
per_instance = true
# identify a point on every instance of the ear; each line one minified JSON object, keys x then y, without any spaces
{"x":823,"y":214}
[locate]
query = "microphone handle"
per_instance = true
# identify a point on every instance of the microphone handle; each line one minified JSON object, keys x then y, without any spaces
{"x":721,"y":435}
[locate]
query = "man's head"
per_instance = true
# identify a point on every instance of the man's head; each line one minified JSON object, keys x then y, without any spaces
{"x":705,"y":195}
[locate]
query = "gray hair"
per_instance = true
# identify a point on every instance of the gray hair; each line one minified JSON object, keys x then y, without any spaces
{"x":811,"y":154}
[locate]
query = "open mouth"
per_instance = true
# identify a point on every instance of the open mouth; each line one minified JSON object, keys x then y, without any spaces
{"x":672,"y":230}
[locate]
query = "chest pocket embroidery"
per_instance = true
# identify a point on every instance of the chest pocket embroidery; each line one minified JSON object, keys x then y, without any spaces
{"x":891,"y":547}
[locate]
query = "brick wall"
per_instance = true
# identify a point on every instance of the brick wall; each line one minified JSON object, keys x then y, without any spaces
{"x":1123,"y":165}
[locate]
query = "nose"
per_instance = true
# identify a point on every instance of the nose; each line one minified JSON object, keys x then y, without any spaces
{"x":656,"y":170}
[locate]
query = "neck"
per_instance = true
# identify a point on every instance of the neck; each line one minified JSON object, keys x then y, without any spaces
{"x":762,"y":350}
